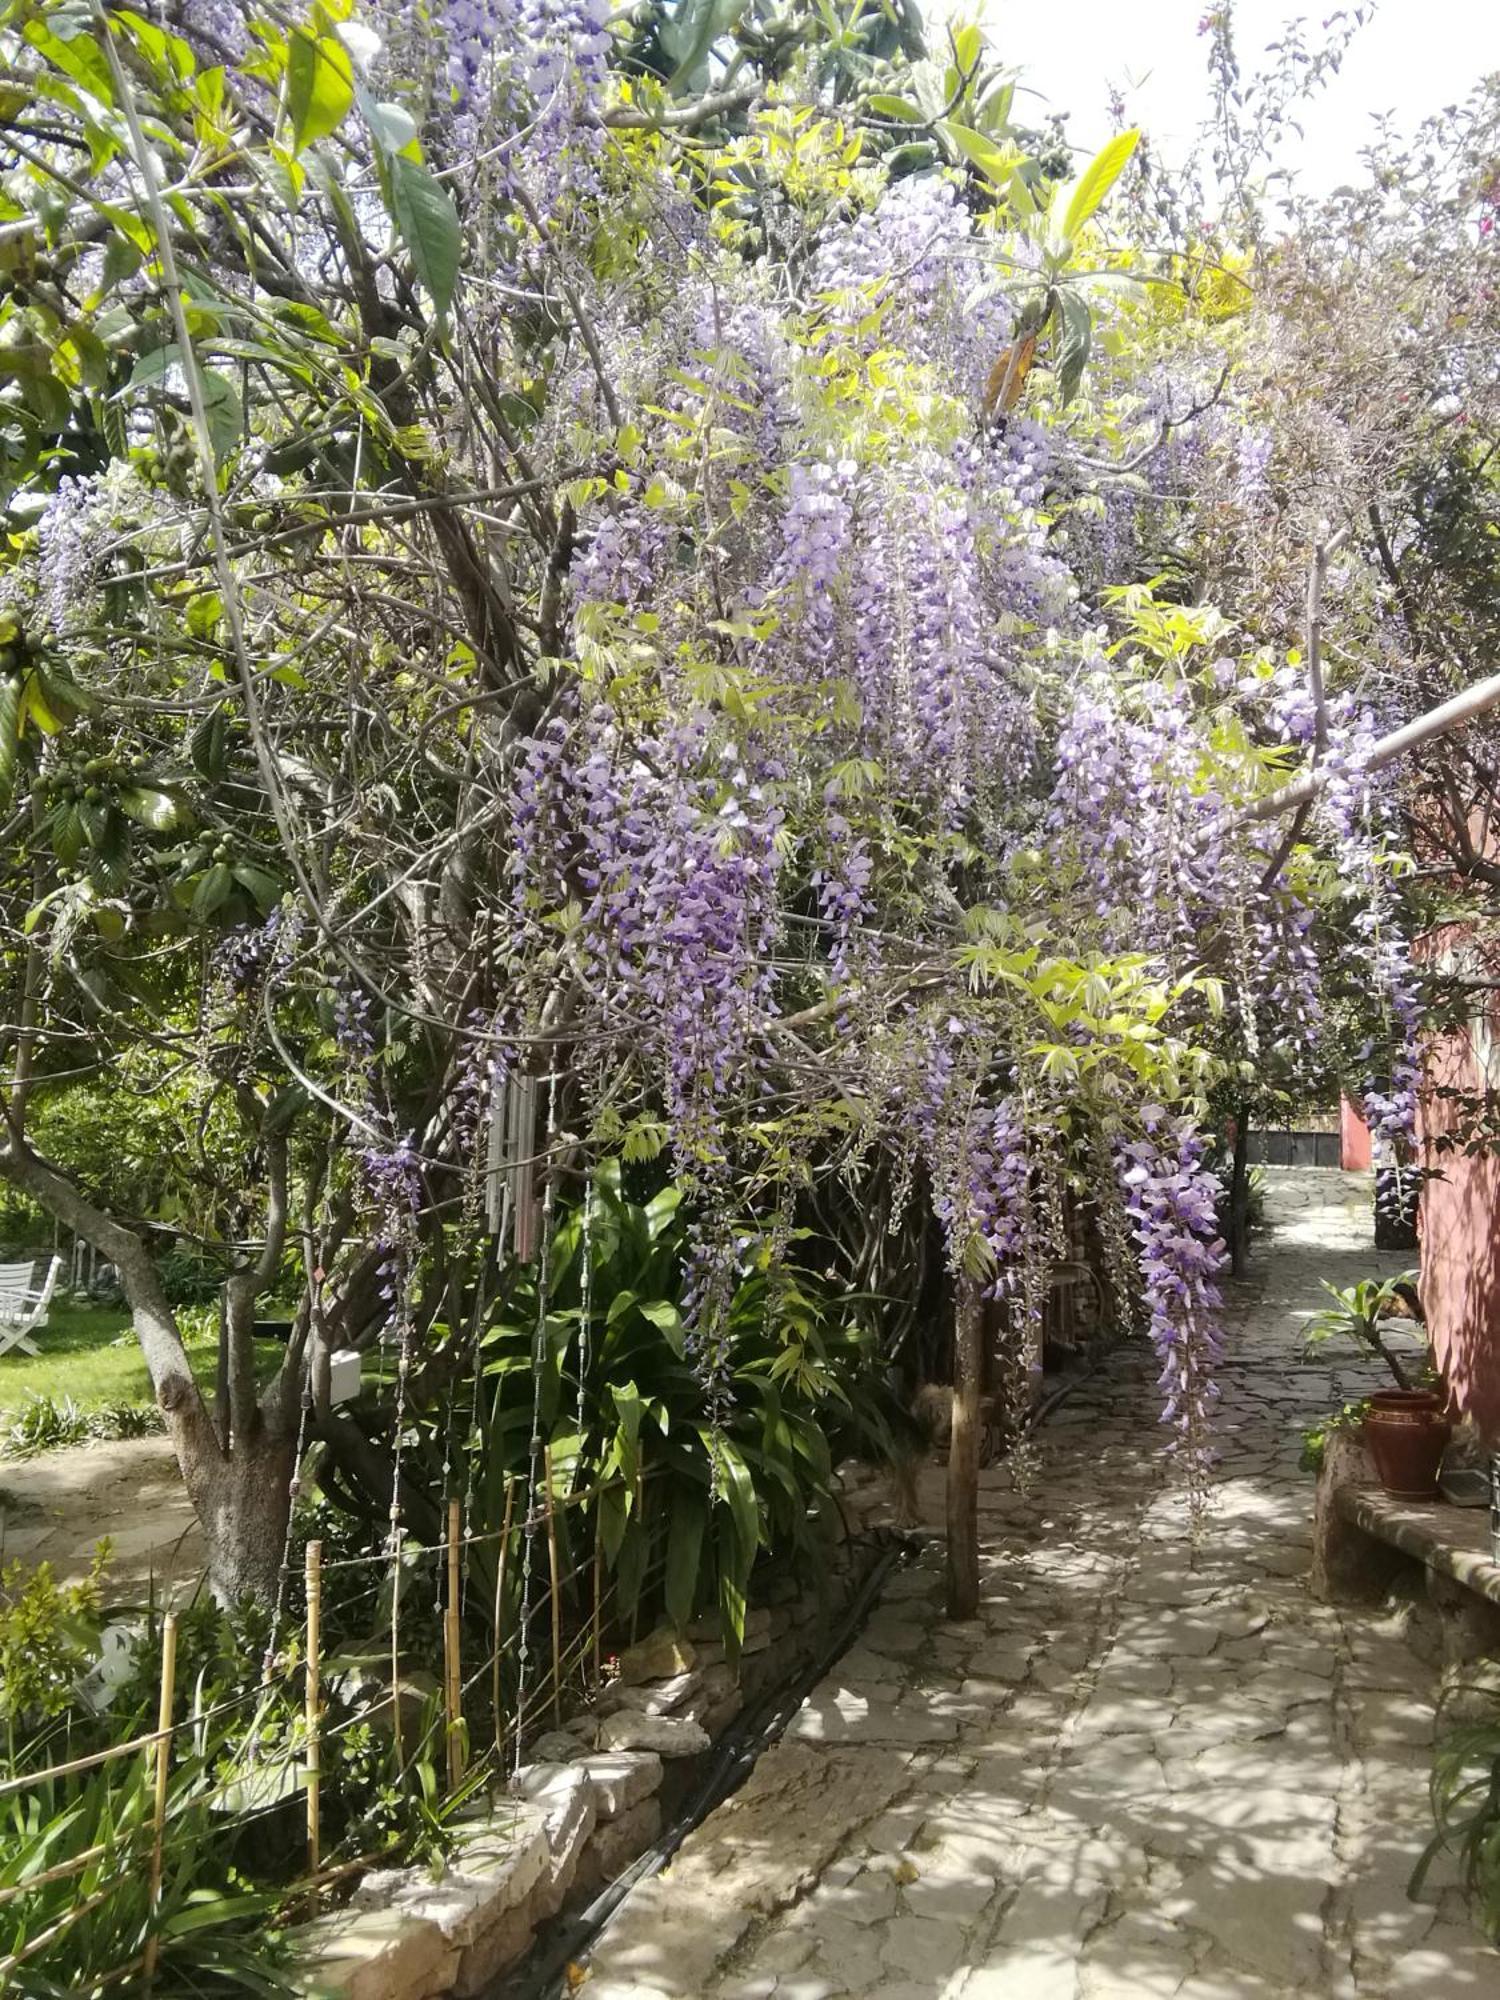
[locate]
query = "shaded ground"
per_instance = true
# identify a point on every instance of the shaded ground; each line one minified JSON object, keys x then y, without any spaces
{"x":1153,"y":1769}
{"x":130,"y":1491}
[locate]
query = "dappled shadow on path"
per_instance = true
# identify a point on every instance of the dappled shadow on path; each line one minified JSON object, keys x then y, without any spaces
{"x":1152,"y":1766}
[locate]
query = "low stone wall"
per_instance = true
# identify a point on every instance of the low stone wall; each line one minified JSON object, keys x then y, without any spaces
{"x":1429,"y":1563}
{"x":592,"y":1800}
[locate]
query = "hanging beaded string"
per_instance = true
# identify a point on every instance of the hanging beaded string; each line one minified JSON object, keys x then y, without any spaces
{"x":535,"y":1455}
{"x":403,"y":1319}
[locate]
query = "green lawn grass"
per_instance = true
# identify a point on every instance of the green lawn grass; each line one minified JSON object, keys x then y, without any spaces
{"x":90,"y":1354}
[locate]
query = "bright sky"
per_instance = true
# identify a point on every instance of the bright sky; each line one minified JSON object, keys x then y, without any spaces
{"x":1412,"y":57}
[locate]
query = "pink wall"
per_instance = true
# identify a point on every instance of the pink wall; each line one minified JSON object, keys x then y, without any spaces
{"x":1460,"y":1231}
{"x":1354,"y":1139}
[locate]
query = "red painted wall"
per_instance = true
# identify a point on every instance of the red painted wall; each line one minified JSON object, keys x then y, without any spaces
{"x":1460,"y":1228}
{"x":1354,"y":1139}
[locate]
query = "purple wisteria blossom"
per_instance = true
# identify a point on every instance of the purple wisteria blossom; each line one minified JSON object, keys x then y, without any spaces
{"x":1171,"y":1199}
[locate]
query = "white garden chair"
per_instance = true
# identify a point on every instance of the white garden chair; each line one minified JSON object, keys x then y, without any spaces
{"x":25,"y":1298}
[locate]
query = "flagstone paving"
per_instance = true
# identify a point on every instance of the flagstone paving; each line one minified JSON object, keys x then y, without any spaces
{"x":1152,"y":1767}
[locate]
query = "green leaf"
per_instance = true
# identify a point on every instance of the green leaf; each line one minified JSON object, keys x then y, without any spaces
{"x":734,"y":1580}
{"x":427,"y":223}
{"x":684,"y":1554}
{"x":994,"y":162}
{"x":157,"y":811}
{"x":319,"y":86}
{"x":78,"y":56}
{"x":1077,"y":339}
{"x":900,"y":108}
{"x":1096,"y":180}
{"x":226,"y":418}
{"x":967,"y":43}
{"x":212,"y":890}
{"x":10,"y":736}
{"x":266,"y":889}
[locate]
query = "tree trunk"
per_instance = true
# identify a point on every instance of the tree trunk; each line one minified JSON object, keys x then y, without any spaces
{"x":963,"y":1455}
{"x":243,"y":1499}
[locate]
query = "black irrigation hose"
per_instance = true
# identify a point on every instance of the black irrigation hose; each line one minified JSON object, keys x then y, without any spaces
{"x":542,"y":1976}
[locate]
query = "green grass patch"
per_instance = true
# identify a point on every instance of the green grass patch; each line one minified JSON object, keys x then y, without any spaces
{"x":91,"y":1354}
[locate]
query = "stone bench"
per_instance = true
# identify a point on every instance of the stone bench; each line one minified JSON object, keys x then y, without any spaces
{"x":1364,"y":1540}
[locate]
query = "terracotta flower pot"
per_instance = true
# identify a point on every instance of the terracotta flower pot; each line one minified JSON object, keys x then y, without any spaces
{"x":1406,"y":1431}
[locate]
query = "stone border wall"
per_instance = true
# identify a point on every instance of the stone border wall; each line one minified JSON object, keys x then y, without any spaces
{"x":594,"y":1798}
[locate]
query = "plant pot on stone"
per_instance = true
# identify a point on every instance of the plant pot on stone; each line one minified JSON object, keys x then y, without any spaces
{"x":1407,"y":1427}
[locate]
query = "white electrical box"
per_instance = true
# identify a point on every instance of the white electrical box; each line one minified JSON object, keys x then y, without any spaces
{"x":343,"y":1375}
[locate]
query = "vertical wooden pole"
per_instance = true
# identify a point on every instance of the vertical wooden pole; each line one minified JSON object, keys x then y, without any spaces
{"x":396,"y":1743}
{"x":495,"y":1701}
{"x":163,"y":1753}
{"x":452,"y":1668}
{"x":552,"y":1567}
{"x":313,"y":1713}
{"x":1239,"y":1194}
{"x":963,"y":1454}
{"x":598,"y":1607}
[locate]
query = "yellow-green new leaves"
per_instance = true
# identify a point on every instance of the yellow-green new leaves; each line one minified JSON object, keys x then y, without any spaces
{"x":1095,"y":182}
{"x":319,"y":86}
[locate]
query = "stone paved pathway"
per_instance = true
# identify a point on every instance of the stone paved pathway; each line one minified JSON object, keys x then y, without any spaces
{"x":1149,"y":1769}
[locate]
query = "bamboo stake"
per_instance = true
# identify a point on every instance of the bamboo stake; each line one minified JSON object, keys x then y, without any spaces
{"x":314,"y":1714}
{"x":556,"y":1590}
{"x":598,"y":1616}
{"x":510,"y":1495}
{"x":963,"y":1456}
{"x":163,"y":1769}
{"x":452,"y":1670}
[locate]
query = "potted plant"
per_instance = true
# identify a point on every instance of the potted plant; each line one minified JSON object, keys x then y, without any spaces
{"x":1405,"y":1428}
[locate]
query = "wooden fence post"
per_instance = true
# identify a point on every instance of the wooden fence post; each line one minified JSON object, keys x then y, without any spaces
{"x":163,"y":1752}
{"x":963,"y":1453}
{"x":453,"y":1683}
{"x":314,"y":1711}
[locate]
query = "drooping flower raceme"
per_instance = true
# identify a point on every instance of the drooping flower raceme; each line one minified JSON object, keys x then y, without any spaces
{"x":1171,"y":1198}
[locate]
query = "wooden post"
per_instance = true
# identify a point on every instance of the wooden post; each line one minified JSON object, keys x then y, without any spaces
{"x":162,"y":1749}
{"x":313,"y":1712}
{"x":495,"y":1701}
{"x":1239,"y":1194}
{"x":963,"y":1454}
{"x":453,"y":1681}
{"x":552,"y":1567}
{"x":598,"y":1606}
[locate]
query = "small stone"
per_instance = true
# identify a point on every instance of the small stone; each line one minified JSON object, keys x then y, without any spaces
{"x":612,"y":1847}
{"x":667,"y":1735}
{"x":566,"y":1798}
{"x":661,"y":1656}
{"x":653,"y":1697}
{"x":373,"y":1955}
{"x":621,"y":1778}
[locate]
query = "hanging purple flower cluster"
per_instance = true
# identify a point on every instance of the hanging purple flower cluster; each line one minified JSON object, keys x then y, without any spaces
{"x":1171,"y":1199}
{"x":843,"y":884}
{"x":816,"y":529}
{"x":915,"y":237}
{"x":670,"y":845}
{"x":999,"y":1162}
{"x":623,"y":559}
